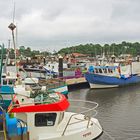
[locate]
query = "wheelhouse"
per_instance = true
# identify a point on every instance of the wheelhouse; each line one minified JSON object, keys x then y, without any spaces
{"x":43,"y":113}
{"x":102,"y":69}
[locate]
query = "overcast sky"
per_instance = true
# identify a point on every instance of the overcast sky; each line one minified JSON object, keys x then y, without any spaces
{"x":54,"y":24}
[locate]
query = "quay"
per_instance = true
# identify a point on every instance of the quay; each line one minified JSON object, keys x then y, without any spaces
{"x":77,"y":83}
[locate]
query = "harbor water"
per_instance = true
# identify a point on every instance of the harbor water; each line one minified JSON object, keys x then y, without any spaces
{"x":118,"y":111}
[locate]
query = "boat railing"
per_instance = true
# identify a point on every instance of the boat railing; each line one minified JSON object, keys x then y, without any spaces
{"x":88,"y":113}
{"x":33,"y":102}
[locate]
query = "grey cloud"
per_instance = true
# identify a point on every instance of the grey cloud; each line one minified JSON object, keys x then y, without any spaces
{"x":55,"y":24}
{"x":126,"y":10}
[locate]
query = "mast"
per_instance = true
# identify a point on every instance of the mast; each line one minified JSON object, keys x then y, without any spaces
{"x":1,"y":63}
{"x":7,"y":57}
{"x":12,"y":27}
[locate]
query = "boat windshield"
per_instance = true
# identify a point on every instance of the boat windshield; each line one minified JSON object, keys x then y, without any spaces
{"x":102,"y":69}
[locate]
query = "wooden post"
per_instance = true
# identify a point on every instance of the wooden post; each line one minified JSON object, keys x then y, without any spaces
{"x":60,"y":66}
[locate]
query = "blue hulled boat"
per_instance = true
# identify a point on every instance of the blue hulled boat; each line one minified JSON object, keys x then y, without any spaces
{"x":107,"y":77}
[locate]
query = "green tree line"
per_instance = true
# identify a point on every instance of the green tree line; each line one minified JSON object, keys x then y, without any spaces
{"x":23,"y":51}
{"x":90,"y":49}
{"x":107,"y":49}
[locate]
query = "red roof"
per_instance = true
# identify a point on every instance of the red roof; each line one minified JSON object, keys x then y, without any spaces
{"x":78,"y":54}
{"x":61,"y":105}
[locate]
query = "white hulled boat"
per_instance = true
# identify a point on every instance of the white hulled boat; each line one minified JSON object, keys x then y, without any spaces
{"x":44,"y":117}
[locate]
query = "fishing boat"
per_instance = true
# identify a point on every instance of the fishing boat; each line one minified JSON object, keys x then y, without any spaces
{"x":53,"y":84}
{"x":111,"y":76}
{"x":12,"y":83}
{"x":44,"y":117}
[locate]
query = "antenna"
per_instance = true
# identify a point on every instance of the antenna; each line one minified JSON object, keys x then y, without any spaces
{"x":14,"y":12}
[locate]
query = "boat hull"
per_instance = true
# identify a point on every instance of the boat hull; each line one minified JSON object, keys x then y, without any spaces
{"x":103,"y":81}
{"x":99,"y":86}
{"x":61,"y":89}
{"x":6,"y":92}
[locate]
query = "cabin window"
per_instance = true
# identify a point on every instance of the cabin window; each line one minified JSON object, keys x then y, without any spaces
{"x":105,"y":70}
{"x":4,"y":82}
{"x":45,"y":119}
{"x":96,"y":70}
{"x":100,"y":70}
{"x":109,"y":70}
{"x":10,"y":82}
